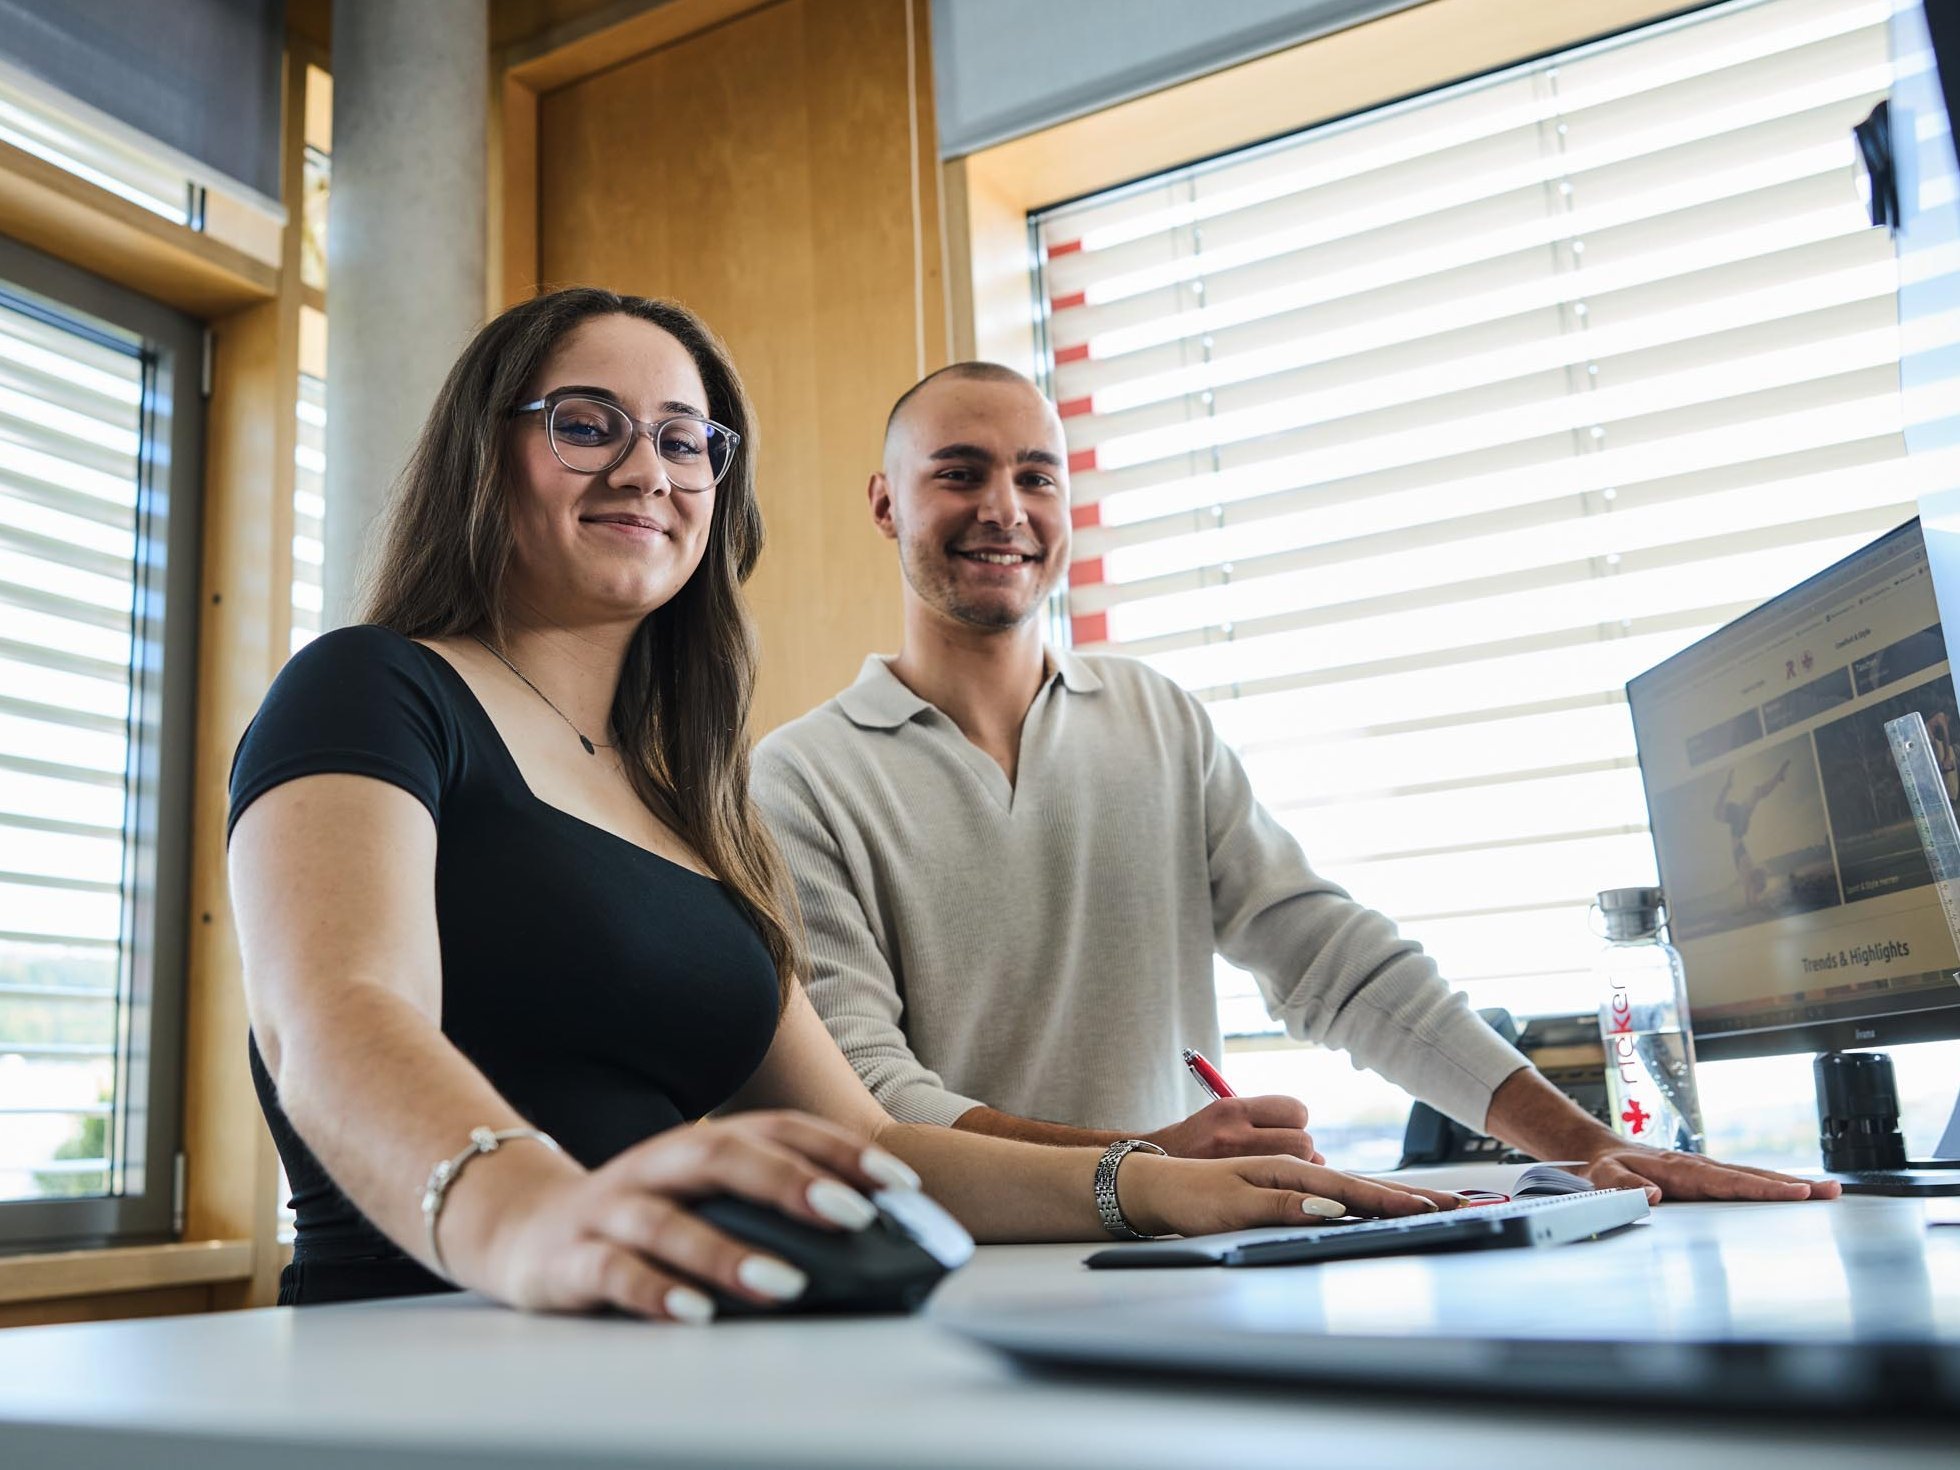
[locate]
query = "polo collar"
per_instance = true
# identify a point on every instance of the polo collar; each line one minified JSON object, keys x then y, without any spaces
{"x":879,"y":700}
{"x":1076,"y":677}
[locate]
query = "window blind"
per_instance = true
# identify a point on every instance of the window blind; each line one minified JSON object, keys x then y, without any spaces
{"x":1405,"y":441}
{"x":195,"y":84}
{"x":40,"y":125}
{"x":309,"y":509}
{"x":72,"y":418}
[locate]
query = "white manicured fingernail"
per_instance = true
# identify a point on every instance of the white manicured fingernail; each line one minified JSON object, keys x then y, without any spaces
{"x":1327,"y":1209}
{"x":773,"y":1278}
{"x":888,"y":1171}
{"x":685,"y":1304}
{"x":840,"y":1204}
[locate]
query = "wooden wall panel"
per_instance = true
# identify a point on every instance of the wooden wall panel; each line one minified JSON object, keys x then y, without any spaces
{"x":990,"y":261}
{"x":776,"y":174}
{"x":247,"y":575}
{"x":511,"y":262}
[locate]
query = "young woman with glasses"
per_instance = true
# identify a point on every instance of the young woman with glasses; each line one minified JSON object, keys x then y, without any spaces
{"x":503,"y":900}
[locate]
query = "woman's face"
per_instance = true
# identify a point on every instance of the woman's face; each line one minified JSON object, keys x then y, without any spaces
{"x":613,"y":546}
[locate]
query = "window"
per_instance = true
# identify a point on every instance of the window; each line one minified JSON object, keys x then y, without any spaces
{"x":1405,"y":441}
{"x":310,"y":451}
{"x":316,"y":182}
{"x":313,"y":223}
{"x":98,"y":542}
{"x":310,"y":440}
{"x":309,"y":508}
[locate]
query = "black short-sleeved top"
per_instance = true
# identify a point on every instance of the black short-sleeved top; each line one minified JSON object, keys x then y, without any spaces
{"x":606,"y":992}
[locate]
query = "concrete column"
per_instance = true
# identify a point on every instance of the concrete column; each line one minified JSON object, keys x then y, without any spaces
{"x":405,"y":241}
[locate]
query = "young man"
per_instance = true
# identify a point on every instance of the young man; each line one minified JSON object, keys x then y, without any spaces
{"x":1016,"y":863}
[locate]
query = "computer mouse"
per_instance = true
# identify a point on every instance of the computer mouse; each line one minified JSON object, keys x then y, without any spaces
{"x":891,"y":1265}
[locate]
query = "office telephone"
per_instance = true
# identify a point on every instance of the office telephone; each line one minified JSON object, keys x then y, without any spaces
{"x":1565,"y":1048}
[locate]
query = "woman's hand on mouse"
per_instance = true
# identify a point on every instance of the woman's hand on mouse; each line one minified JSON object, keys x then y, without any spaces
{"x":1170,"y":1196}
{"x":623,"y":1236}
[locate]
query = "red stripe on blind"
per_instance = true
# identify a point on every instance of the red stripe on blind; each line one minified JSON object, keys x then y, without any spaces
{"x":1063,"y":303}
{"x":1078,"y":353}
{"x":1074,"y":408}
{"x":1089,"y":628}
{"x":1084,"y":516}
{"x":1085,"y":573}
{"x":1081,"y":459}
{"x":1067,"y":247}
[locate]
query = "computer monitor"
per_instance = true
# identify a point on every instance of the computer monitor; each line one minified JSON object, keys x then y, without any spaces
{"x":1798,"y":891}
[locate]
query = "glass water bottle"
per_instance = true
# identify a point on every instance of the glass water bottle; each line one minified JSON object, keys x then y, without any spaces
{"x":1643,"y":1014}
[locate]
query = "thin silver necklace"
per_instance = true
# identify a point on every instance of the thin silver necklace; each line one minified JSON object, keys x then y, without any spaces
{"x":592,"y":747}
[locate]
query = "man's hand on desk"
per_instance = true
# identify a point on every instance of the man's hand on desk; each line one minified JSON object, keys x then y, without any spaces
{"x":1529,"y":1113}
{"x":1241,"y":1127}
{"x":1665,"y":1174}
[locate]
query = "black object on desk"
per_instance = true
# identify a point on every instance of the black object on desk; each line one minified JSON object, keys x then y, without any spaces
{"x":1858,"y":1128}
{"x":1565,"y":1049}
{"x":891,"y":1265}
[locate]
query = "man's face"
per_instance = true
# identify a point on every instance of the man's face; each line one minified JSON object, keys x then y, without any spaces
{"x":975,"y":492}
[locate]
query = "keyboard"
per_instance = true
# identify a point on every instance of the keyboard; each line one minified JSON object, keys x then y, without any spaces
{"x":1548,"y":1220}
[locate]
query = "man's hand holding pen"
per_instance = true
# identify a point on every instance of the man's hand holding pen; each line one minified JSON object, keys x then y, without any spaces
{"x":1234,"y":1127}
{"x":1241,"y":1127}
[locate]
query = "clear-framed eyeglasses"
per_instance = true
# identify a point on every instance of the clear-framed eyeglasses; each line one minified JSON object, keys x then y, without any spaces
{"x":591,"y":435}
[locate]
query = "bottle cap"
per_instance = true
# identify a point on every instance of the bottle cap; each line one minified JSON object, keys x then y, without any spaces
{"x":1631,"y":913}
{"x":1613,"y":900}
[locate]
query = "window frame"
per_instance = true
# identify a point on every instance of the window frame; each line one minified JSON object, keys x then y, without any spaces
{"x":1037,"y":281}
{"x":157,"y":803}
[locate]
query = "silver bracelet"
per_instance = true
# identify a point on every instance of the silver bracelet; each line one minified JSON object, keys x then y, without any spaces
{"x":447,"y":1171}
{"x":1107,"y":1209}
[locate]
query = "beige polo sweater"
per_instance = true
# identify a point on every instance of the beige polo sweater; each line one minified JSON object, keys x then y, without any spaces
{"x":1046,"y":948}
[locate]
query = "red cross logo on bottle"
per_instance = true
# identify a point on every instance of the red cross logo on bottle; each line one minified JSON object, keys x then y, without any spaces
{"x":1635,"y":1116}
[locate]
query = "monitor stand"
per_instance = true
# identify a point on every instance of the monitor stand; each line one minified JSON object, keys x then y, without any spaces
{"x":1858,"y":1128}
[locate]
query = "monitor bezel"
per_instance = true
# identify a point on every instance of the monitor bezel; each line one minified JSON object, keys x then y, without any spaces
{"x":1899,"y":1028}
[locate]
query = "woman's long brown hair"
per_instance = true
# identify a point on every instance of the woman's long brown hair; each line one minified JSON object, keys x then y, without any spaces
{"x":681,"y":713}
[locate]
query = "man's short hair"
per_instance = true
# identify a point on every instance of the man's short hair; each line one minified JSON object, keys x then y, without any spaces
{"x":985,"y":372}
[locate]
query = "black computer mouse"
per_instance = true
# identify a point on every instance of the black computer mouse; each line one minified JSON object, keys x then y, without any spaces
{"x":891,"y":1265}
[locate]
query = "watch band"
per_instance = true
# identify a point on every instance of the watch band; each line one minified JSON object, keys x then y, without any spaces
{"x":1107,"y":1209}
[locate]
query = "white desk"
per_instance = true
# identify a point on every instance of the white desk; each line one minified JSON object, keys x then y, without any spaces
{"x":439,"y":1384}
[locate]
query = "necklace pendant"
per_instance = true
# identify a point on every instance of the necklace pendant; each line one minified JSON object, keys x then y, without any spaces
{"x":586,"y":743}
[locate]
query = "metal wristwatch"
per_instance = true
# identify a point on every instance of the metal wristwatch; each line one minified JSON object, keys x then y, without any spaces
{"x":1107,"y":1209}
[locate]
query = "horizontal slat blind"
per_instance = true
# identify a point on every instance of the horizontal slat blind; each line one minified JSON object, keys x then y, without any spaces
{"x":309,"y":508}
{"x":309,"y":551}
{"x":71,"y":420}
{"x":1406,"y":441}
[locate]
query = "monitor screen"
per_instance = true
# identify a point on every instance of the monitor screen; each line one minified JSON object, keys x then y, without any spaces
{"x":1798,"y":891}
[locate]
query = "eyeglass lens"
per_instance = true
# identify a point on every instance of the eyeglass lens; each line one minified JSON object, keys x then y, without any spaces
{"x":591,"y":436}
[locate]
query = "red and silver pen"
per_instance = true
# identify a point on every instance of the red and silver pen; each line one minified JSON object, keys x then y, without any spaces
{"x":1208,"y":1076}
